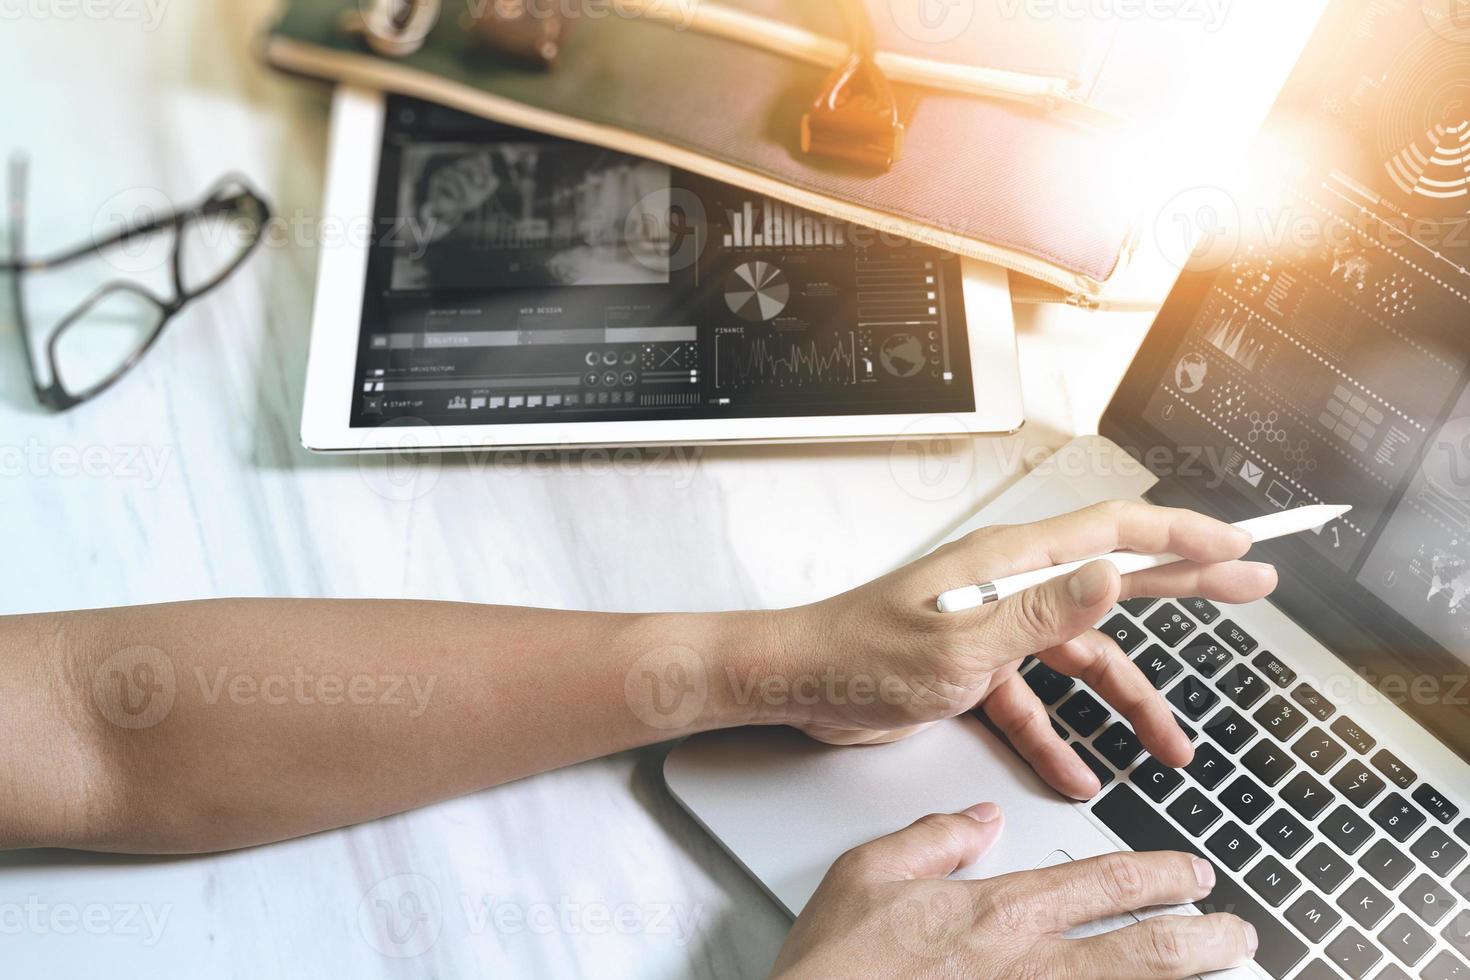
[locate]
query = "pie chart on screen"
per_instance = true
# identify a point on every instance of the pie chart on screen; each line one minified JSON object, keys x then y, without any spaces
{"x":757,"y":291}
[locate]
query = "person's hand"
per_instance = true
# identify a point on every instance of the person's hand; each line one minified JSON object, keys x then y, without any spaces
{"x":886,"y":663}
{"x":886,"y":909}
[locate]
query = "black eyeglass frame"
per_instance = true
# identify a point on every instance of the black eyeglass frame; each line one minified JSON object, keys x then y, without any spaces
{"x":230,"y":195}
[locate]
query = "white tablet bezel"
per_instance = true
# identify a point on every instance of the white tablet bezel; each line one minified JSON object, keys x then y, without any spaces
{"x":351,"y":192}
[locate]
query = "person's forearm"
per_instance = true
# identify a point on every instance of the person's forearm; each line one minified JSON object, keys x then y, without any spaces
{"x":210,"y":725}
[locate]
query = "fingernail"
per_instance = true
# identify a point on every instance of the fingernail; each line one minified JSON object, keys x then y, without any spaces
{"x":1252,"y":941}
{"x":1204,"y":873}
{"x":984,"y":812}
{"x":1089,"y":585}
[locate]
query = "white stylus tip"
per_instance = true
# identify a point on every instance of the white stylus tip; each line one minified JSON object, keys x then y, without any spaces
{"x":958,"y":600}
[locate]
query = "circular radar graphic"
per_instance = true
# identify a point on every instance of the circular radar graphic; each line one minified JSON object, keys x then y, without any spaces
{"x":902,"y":355}
{"x":1424,"y":129}
{"x":757,"y":291}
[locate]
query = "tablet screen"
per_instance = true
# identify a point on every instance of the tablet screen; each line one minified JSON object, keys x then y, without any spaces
{"x":518,"y":278}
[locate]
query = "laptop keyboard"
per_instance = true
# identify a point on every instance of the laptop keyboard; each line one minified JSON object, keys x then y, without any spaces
{"x":1345,"y":861}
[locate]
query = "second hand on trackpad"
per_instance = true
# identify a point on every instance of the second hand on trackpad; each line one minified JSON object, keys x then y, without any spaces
{"x":1111,"y":923}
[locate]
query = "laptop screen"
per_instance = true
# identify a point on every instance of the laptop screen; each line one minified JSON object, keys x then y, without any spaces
{"x":1317,"y":350}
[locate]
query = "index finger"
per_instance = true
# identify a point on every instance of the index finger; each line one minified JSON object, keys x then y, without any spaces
{"x":1131,"y":525}
{"x":1100,"y":663}
{"x":1067,"y":895}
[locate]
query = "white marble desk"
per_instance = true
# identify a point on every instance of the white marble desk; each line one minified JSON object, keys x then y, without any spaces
{"x":197,"y":488}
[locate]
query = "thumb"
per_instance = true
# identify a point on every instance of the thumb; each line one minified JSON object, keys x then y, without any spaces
{"x":1050,"y":614}
{"x":933,"y":846}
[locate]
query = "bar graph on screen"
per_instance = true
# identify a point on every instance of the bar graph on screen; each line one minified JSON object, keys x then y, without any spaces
{"x":767,"y":224}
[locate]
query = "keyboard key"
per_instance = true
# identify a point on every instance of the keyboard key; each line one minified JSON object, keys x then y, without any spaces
{"x":1445,"y":967}
{"x":1169,"y":624}
{"x":1233,"y":846}
{"x":1399,"y":774}
{"x":1056,"y":726}
{"x":1103,"y":773}
{"x":1235,"y":638}
{"x":1319,"y":750}
{"x":1462,"y":830}
{"x":1268,"y":663}
{"x":1210,"y":767}
{"x":1284,"y":833}
{"x":1124,"y":632}
{"x":1397,"y":817}
{"x":1305,"y":795}
{"x":1315,"y":704}
{"x":1439,"y":853}
{"x":1268,"y":761}
{"x":1457,"y":932}
{"x":1461,"y":884}
{"x":1346,"y":829}
{"x":1138,"y":606}
{"x":1245,"y":799}
{"x":1230,"y":730}
{"x":1319,"y":970}
{"x":1156,"y":779}
{"x":1353,"y":954}
{"x":1157,"y":666}
{"x":1280,"y":717}
{"x":1119,"y":745}
{"x":1272,"y":881}
{"x":1313,"y":916}
{"x":1242,"y":685}
{"x":1192,"y":697}
{"x":1142,"y":828}
{"x":1206,"y":655}
{"x":1404,"y":939}
{"x":1391,"y":971}
{"x":1366,"y":904}
{"x":1049,"y":685}
{"x":1356,"y":782}
{"x":1347,"y":730}
{"x":1435,"y":804}
{"x":1194,"y":812}
{"x":1201,"y":609}
{"x":1386,"y":864}
{"x":1083,"y":712}
{"x":1426,"y":899}
{"x":1325,"y":868}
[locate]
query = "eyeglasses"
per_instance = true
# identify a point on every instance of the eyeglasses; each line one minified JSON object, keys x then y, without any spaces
{"x":90,"y":348}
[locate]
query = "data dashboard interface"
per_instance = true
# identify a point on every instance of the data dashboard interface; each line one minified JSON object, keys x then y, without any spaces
{"x":519,"y":278}
{"x":1325,"y":358}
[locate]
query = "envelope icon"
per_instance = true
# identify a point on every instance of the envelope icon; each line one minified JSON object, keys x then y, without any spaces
{"x":1251,"y":473}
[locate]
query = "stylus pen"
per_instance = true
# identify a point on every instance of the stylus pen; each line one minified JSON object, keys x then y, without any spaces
{"x":1265,"y":528}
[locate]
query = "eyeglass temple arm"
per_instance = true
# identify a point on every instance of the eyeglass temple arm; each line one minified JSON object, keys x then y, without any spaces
{"x":165,"y":220}
{"x":91,"y":248}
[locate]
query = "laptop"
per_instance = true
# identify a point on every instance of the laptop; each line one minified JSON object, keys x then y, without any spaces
{"x":1318,"y":355}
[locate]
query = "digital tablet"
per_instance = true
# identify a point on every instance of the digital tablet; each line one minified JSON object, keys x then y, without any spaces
{"x":485,"y":286}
